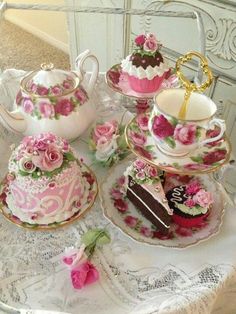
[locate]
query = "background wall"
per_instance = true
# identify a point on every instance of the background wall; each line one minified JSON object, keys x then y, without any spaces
{"x":49,"y":26}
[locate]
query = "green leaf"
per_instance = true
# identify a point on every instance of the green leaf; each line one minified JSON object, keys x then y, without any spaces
{"x":93,"y":236}
{"x":198,"y":132}
{"x":170,"y":141}
{"x":69,"y":156}
{"x":23,"y":173}
{"x":35,"y":175}
{"x":149,"y":148}
{"x":197,"y":159}
{"x":173,"y":121}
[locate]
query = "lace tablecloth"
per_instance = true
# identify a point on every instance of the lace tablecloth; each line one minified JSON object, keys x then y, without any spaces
{"x":135,"y":278}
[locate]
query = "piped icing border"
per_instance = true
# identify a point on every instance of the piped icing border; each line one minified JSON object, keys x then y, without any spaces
{"x":141,"y":73}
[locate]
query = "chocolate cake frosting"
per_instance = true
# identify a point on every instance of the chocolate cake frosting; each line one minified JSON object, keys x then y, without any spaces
{"x":145,"y":60}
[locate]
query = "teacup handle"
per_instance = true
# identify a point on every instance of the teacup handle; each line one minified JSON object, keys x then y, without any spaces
{"x":221,"y":124}
{"x":79,"y":62}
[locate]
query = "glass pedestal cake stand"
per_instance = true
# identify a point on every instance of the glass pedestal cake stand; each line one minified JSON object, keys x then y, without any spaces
{"x":93,"y":190}
{"x":118,"y":82}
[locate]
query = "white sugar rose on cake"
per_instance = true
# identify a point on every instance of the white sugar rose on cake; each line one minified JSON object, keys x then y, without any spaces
{"x":46,"y":182}
{"x":146,"y":67}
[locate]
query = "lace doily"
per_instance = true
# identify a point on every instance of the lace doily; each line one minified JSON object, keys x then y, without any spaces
{"x":133,"y":278}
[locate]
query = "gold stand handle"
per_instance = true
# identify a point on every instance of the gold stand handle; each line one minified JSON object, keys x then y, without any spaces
{"x":189,"y":86}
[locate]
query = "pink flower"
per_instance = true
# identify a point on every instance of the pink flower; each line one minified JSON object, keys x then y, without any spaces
{"x":185,"y":134}
{"x":66,"y":85}
{"x":84,"y":274}
{"x":138,"y":139}
{"x":161,"y":236}
{"x":151,"y":36}
{"x":28,"y":106}
{"x":140,"y":175}
{"x":131,"y":221}
{"x":142,"y":121}
{"x":121,"y":205}
{"x":26,"y":165}
{"x":193,"y":187}
{"x":33,"y":87}
{"x":65,"y":147}
{"x":107,"y":130}
{"x":40,"y":144}
{"x":90,"y":179}
{"x":42,"y":91}
{"x":161,"y":127}
{"x":56,"y":90}
{"x":139,"y":164}
{"x":143,"y":152}
{"x":150,"y":45}
{"x":46,"y":109}
{"x":50,"y":159}
{"x":214,"y":156}
{"x":152,"y":172}
{"x":146,"y":232}
{"x":213,"y":133}
{"x":140,"y":40}
{"x":64,"y":107}
{"x":121,"y":181}
{"x":195,"y":166}
{"x":184,"y":232}
{"x":203,"y":198}
{"x":81,"y":95}
{"x":190,"y":202}
{"x":116,"y":194}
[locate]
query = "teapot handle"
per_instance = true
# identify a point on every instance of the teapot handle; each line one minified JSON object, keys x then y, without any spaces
{"x":79,"y":62}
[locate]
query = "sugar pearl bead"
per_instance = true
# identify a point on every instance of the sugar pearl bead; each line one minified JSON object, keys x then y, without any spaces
{"x":143,"y":61}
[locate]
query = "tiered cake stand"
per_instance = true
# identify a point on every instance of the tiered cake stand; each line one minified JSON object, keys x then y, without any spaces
{"x":118,"y":82}
{"x":200,"y":162}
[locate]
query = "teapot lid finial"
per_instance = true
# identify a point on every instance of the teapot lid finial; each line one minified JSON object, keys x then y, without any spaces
{"x":47,"y":66}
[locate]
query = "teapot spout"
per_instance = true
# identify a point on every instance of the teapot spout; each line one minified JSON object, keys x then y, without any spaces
{"x":13,"y":121}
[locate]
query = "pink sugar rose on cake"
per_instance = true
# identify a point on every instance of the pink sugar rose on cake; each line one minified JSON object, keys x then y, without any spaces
{"x":50,"y":159}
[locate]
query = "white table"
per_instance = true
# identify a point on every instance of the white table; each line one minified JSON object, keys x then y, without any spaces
{"x":134,"y":278}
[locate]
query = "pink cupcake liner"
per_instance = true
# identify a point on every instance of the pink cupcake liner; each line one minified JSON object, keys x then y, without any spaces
{"x":144,"y":85}
{"x":189,"y":222}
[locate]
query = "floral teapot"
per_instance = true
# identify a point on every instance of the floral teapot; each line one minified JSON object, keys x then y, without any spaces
{"x":52,"y":100}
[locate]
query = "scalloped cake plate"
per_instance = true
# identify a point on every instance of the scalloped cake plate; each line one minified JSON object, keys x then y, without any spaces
{"x":91,"y":199}
{"x":194,"y":163}
{"x":133,"y":224}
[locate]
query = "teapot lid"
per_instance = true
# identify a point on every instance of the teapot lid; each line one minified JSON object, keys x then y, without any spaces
{"x":49,"y":82}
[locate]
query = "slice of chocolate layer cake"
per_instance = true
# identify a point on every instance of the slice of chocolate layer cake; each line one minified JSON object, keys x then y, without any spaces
{"x":145,"y":191}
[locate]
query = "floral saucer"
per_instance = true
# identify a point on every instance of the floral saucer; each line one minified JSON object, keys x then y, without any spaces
{"x":123,"y":214}
{"x":206,"y":159}
{"x":93,"y":190}
{"x":117,"y":80}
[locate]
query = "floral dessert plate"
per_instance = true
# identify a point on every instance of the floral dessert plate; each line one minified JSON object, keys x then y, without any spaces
{"x":93,"y":190}
{"x":123,"y":214}
{"x":118,"y":81}
{"x":205,"y":159}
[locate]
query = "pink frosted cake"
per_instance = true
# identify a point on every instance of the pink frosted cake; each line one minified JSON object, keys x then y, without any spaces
{"x":46,"y":183}
{"x":145,"y":67}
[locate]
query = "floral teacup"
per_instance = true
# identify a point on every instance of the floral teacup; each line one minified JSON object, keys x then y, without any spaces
{"x":178,"y":137}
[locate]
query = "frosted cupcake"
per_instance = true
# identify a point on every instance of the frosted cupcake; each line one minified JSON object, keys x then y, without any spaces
{"x":145,"y":67}
{"x":191,"y":204}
